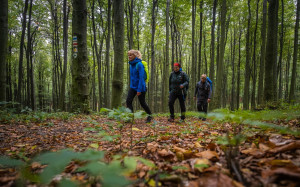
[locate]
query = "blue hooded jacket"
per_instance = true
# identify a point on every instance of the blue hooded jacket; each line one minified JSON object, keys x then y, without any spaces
{"x":137,"y":81}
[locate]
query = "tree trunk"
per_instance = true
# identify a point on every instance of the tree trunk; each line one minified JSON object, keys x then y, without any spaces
{"x":117,"y":84}
{"x":287,"y":72}
{"x":107,"y":90}
{"x":232,"y":103}
{"x":212,"y":49}
{"x":65,"y":43}
{"x":254,"y":62}
{"x":20,"y":78}
{"x":260,"y":88}
{"x":238,"y":82}
{"x":200,"y":42}
{"x":194,"y":56}
{"x":247,"y":65}
{"x":279,"y":68}
{"x":295,"y":55}
{"x":166,"y":69}
{"x":80,"y":65}
{"x":152,"y":77}
{"x":219,"y":85}
{"x":3,"y":47}
{"x":271,"y":52}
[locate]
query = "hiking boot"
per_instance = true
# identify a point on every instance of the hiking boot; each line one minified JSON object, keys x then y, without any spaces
{"x":149,"y":119}
{"x":171,"y":119}
{"x":182,"y":118}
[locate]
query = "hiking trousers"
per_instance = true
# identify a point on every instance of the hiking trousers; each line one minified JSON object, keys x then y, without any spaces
{"x":131,"y":94}
{"x":172,"y":99}
{"x":202,"y":106}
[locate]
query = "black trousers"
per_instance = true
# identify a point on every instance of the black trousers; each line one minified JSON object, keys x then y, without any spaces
{"x":172,"y":99}
{"x":202,"y":106}
{"x":131,"y":94}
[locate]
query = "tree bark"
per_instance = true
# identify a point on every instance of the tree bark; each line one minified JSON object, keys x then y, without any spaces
{"x":220,"y":69}
{"x":167,"y":68}
{"x":65,"y":43}
{"x":212,"y":49}
{"x":152,"y":77}
{"x":80,"y":66}
{"x":194,"y":56}
{"x":271,"y":52}
{"x":108,"y":93}
{"x":260,"y":88}
{"x":200,"y":67}
{"x":117,"y":84}
{"x":253,"y":104}
{"x":247,"y":65}
{"x":279,"y":68}
{"x":3,"y":47}
{"x":20,"y":78}
{"x":295,"y":56}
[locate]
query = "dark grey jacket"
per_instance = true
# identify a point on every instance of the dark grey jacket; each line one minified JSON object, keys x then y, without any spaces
{"x":176,"y":79}
{"x":203,"y":91}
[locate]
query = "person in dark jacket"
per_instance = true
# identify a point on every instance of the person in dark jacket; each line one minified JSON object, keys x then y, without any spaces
{"x":178,"y":83}
{"x":203,"y":95}
{"x":137,"y":82}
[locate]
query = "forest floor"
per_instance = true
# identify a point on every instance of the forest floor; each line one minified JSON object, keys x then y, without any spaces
{"x":191,"y":153}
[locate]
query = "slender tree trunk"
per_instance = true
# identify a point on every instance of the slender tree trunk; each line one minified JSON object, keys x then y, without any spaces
{"x":271,"y":52}
{"x":200,"y":42}
{"x":117,"y":83}
{"x":260,"y":89}
{"x":108,"y":95}
{"x":65,"y":43}
{"x":254,"y":62}
{"x":219,"y":91}
{"x":232,"y":103}
{"x":3,"y":47}
{"x":166,"y":69}
{"x":295,"y":55}
{"x":152,"y":77}
{"x":212,"y":49}
{"x":279,"y":68}
{"x":130,"y":8}
{"x":194,"y":56}
{"x":247,"y":71}
{"x":287,"y":73}
{"x":80,"y":65}
{"x":238,"y":74}
{"x":20,"y":78}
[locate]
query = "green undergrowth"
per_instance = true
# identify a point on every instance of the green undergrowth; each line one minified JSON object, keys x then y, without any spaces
{"x":91,"y":162}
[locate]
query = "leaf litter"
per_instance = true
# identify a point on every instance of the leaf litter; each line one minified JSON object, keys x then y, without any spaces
{"x":182,"y":154}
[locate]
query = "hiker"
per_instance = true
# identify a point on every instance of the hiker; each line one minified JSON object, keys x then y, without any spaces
{"x":178,"y":84}
{"x":137,"y":82}
{"x":203,"y":94}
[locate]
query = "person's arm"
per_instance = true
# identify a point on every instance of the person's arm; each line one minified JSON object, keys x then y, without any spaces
{"x":196,"y":90}
{"x":141,"y":72}
{"x":186,"y":80}
{"x":170,"y":82}
{"x":209,"y":93}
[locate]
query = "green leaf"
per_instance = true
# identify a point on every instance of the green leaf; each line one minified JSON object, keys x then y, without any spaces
{"x":57,"y":161}
{"x":130,"y":164}
{"x":91,"y":155}
{"x":67,"y":183}
{"x":9,"y":162}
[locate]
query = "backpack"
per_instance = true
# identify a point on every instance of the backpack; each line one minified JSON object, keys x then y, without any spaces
{"x":183,"y":75}
{"x":146,"y":74}
{"x":210,"y":83}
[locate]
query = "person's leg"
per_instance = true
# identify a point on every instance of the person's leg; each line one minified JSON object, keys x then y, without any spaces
{"x":199,"y":107}
{"x":205,"y":109}
{"x":182,"y":106}
{"x":130,"y":96}
{"x":172,"y":98}
{"x":143,"y":103}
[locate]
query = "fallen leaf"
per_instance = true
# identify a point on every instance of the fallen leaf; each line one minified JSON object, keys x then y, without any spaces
{"x":288,"y":147}
{"x":278,"y":140}
{"x":210,"y":155}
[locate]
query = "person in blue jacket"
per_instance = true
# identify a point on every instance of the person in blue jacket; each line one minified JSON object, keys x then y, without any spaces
{"x":137,"y":82}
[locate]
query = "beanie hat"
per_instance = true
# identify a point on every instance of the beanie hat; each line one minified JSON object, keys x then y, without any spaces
{"x":177,"y":64}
